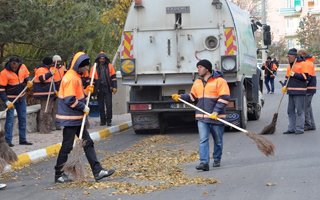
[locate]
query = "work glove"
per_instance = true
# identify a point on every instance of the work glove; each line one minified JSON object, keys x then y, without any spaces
{"x":29,"y":84}
{"x":9,"y":105}
{"x":214,"y":115}
{"x":89,"y":88}
{"x":114,"y":90}
{"x":53,"y":71}
{"x":291,"y":73}
{"x":175,"y":97}
{"x":86,"y":110}
{"x":284,"y":89}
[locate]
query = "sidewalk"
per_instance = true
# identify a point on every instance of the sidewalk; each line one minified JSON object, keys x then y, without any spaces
{"x":45,"y":145}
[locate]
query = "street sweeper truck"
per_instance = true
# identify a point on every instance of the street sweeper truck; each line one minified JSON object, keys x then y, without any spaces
{"x":161,"y":44}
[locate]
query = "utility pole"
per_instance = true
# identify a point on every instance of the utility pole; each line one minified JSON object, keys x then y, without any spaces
{"x":264,"y":22}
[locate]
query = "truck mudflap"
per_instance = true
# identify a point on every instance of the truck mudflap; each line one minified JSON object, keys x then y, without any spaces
{"x":234,"y":117}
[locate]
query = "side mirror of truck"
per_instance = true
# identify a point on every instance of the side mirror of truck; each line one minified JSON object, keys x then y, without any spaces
{"x":266,"y":35}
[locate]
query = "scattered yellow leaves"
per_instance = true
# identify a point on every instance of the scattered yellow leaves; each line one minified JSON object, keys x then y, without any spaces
{"x":150,"y":165}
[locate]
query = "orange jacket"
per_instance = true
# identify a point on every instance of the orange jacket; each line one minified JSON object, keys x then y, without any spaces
{"x":211,"y":96}
{"x":71,"y":98}
{"x":57,"y":77}
{"x":11,"y":83}
{"x":42,"y":83}
{"x":297,"y":84}
{"x":310,"y":68}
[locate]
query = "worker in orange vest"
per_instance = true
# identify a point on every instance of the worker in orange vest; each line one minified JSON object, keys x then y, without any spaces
{"x":211,"y":93}
{"x":106,"y":85}
{"x":41,"y":90}
{"x":57,"y":77}
{"x":71,"y":110}
{"x":296,"y":80}
{"x":13,"y":79}
{"x":311,"y":89}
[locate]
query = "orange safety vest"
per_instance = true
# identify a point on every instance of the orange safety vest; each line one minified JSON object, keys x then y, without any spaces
{"x":11,"y":83}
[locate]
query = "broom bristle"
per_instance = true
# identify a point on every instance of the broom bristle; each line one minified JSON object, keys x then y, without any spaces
{"x":271,"y":128}
{"x":6,"y":152}
{"x":3,"y":164}
{"x":263,"y":144}
{"x":74,"y":165}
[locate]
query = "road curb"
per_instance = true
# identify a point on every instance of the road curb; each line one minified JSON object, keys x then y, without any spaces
{"x":25,"y":159}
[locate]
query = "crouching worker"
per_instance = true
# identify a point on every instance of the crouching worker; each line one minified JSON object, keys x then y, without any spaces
{"x":71,"y":109}
{"x":210,"y":93}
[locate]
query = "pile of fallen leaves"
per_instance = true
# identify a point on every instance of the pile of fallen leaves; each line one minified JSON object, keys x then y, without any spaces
{"x":152,"y":164}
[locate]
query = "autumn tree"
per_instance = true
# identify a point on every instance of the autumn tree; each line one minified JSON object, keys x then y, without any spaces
{"x":309,"y":34}
{"x":37,"y":28}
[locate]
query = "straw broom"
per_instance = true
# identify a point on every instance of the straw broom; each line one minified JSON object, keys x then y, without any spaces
{"x":7,"y":155}
{"x":74,"y":164}
{"x":263,"y":144}
{"x":271,"y":128}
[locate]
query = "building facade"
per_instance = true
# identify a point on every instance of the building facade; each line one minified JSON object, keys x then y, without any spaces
{"x":289,"y":17}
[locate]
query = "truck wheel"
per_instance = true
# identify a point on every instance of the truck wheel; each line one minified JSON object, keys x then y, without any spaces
{"x":255,"y":115}
{"x":244,"y":112}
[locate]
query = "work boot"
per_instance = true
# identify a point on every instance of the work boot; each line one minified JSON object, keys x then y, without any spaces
{"x":10,"y":144}
{"x":298,"y":132}
{"x":63,"y":178}
{"x":307,"y":128}
{"x":2,"y":186}
{"x":288,"y":132}
{"x":203,"y":167}
{"x":103,"y":173}
{"x":216,"y":163}
{"x":103,"y":123}
{"x":25,"y":143}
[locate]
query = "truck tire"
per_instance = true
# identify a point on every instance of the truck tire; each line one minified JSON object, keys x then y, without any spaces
{"x":244,"y":112}
{"x":255,"y":115}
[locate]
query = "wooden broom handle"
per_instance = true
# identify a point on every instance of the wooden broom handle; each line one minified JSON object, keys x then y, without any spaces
{"x":219,"y":119}
{"x":87,"y":102}
{"x":50,"y":88}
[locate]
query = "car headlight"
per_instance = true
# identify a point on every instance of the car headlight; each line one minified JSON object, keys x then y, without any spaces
{"x":229,"y":63}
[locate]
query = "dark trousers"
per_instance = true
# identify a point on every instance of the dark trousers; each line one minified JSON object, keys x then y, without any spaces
{"x":271,"y":80}
{"x":69,"y":133}
{"x":105,"y":106}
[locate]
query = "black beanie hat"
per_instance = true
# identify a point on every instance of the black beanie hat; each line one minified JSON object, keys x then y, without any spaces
{"x":47,"y":61}
{"x":293,"y":52}
{"x":15,"y":59}
{"x":206,"y":64}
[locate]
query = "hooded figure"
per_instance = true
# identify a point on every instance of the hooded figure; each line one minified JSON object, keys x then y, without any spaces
{"x":71,"y":110}
{"x":106,"y":85}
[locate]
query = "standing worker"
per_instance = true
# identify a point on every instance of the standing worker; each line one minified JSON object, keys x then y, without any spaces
{"x":13,"y":79}
{"x":211,"y":93}
{"x":296,"y":89}
{"x":311,"y":89}
{"x":71,"y":109}
{"x":270,"y":70}
{"x":57,"y":77}
{"x":44,"y":75}
{"x":106,"y":85}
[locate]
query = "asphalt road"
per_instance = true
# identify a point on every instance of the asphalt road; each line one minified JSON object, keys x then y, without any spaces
{"x":245,"y":174}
